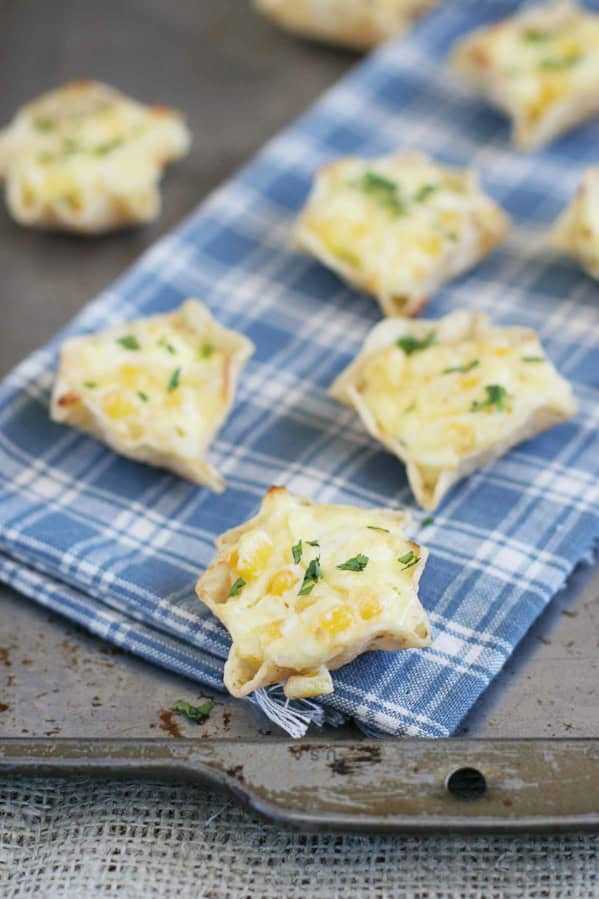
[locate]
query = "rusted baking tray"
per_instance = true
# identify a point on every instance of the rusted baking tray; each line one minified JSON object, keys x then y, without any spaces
{"x":527,"y":757}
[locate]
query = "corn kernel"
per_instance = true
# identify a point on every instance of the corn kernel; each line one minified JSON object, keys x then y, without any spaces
{"x":551,"y":91}
{"x":304,"y":602}
{"x":129,"y":375}
{"x":272,"y":631}
{"x":461,"y":436}
{"x":337,"y":620}
{"x":432,"y":245}
{"x":502,"y":351}
{"x":370,"y":608}
{"x":253,"y":554}
{"x":282,"y":581}
{"x":116,"y":406}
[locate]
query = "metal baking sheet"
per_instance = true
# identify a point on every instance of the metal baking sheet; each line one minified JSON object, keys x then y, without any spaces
{"x":71,"y":704}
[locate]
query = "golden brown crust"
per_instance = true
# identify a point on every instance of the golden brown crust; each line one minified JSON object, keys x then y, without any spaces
{"x":557,"y":108}
{"x":483,"y":225}
{"x":72,"y":407}
{"x":429,"y":487}
{"x":88,"y":159}
{"x":243,"y":677}
{"x":350,"y":23}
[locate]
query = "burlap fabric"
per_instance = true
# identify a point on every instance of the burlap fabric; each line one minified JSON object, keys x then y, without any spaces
{"x":91,"y":839}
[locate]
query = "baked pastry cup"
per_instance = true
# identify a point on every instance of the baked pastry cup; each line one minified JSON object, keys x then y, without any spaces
{"x":541,"y":67}
{"x":398,"y":227}
{"x":450,"y":396}
{"x":155,"y":389}
{"x":576,"y":232}
{"x":304,"y":588}
{"x":351,"y":23}
{"x":88,"y":159}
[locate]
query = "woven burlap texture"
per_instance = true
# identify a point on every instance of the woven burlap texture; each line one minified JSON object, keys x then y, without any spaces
{"x":91,"y":839}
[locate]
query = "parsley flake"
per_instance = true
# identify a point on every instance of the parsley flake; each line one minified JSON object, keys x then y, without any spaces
{"x":533,"y":358}
{"x":408,"y":560}
{"x":313,"y":543}
{"x":129,"y":342}
{"x":206,"y":351}
{"x":311,"y":577}
{"x":237,"y":587}
{"x":357,"y":563}
{"x":143,"y":396}
{"x":296,"y":552}
{"x":496,"y":395}
{"x":108,"y":147}
{"x":462,"y":369}
{"x":426,"y":522}
{"x":71,"y":146}
{"x":425,"y":191}
{"x":373,"y":527}
{"x":163,"y":342}
{"x":43,"y":123}
{"x":536,"y":35}
{"x":383,"y":190}
{"x":556,"y":63}
{"x":196,"y":713}
{"x":174,"y":380}
{"x":410,"y":344}
{"x":90,"y":384}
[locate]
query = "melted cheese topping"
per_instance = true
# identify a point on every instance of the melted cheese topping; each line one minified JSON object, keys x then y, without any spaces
{"x":577,"y":231}
{"x":538,"y":61}
{"x":161,"y":383}
{"x":450,"y":396}
{"x":87,"y":157}
{"x":281,"y":616}
{"x":399,"y":226}
{"x":447,"y":401}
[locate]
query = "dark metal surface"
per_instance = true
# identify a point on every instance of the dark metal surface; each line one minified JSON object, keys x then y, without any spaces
{"x":397,"y":785}
{"x":238,"y":81}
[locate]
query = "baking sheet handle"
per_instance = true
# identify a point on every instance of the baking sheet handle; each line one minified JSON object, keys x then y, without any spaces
{"x":396,"y":785}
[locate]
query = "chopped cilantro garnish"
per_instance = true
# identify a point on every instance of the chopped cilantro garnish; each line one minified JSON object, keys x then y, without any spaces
{"x":311,"y":577}
{"x":426,"y":522}
{"x":462,"y":368}
{"x":43,"y":123}
{"x":312,"y":542}
{"x":206,"y":351}
{"x":296,"y":551}
{"x":197,"y":713}
{"x":108,"y":147}
{"x":410,"y":344}
{"x":536,"y":35}
{"x":533,"y":358}
{"x":174,"y":380}
{"x":357,"y":563}
{"x":373,"y":527}
{"x":90,"y":384}
{"x":129,"y":342}
{"x":237,"y":587}
{"x":425,"y":191}
{"x":560,"y":62}
{"x":408,"y":559}
{"x":163,"y":342}
{"x":383,"y":190}
{"x":496,"y":394}
{"x":143,"y":396}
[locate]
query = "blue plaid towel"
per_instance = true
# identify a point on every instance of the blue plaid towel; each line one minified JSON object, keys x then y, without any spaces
{"x":117,"y":546}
